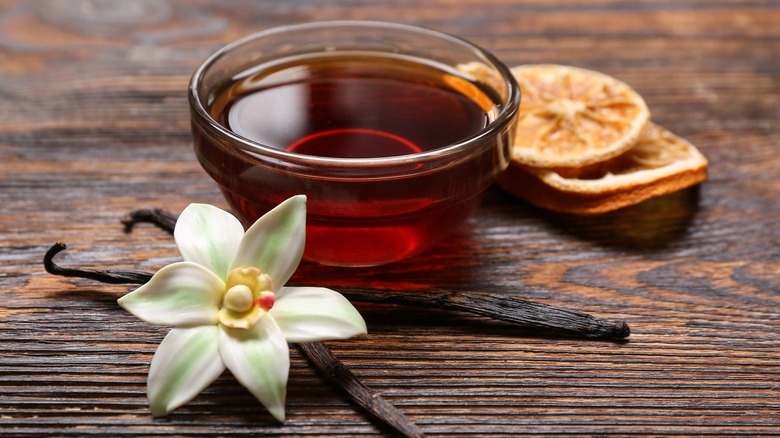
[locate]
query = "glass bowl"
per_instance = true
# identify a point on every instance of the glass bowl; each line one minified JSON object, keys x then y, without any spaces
{"x":393,"y":132}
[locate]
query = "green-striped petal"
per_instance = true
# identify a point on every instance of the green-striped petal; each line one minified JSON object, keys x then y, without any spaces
{"x":259,"y":358}
{"x":180,"y":294}
{"x":311,"y":314}
{"x":185,"y":363}
{"x":274,"y":244}
{"x":208,"y":236}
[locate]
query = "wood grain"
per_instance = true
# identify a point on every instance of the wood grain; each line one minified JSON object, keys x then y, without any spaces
{"x":94,"y":123}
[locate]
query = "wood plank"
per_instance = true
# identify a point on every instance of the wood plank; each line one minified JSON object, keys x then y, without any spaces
{"x":94,"y":123}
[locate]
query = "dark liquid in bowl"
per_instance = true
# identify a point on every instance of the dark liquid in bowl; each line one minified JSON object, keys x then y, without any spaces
{"x":349,"y":106}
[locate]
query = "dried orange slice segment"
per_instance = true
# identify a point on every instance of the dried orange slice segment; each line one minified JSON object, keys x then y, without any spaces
{"x":479,"y":72}
{"x":571,"y":117}
{"x":660,"y":163}
{"x":482,"y":73}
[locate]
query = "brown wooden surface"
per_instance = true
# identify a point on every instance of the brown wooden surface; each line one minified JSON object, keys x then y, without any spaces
{"x":94,"y":123}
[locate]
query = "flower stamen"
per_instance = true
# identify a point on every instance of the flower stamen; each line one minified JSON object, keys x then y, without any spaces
{"x":248,"y":297}
{"x":266,"y":300}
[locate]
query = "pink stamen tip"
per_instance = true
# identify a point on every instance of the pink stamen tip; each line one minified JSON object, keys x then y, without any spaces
{"x":266,"y":301}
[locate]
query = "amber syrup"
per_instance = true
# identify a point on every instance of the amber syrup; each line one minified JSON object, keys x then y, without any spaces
{"x":352,"y":106}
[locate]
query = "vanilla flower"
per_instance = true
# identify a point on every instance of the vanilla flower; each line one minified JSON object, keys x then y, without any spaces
{"x":229,"y":308}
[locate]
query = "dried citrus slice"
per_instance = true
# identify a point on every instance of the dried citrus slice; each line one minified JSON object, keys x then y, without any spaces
{"x":571,"y":117}
{"x":660,"y":163}
{"x":481,"y":73}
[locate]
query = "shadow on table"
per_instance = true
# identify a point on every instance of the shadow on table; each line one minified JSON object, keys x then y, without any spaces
{"x":649,"y":226}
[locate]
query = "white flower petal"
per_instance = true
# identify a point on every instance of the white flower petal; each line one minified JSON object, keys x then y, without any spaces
{"x":259,"y":358}
{"x":310,"y":314}
{"x":208,"y":236}
{"x":185,"y":363}
{"x":179,"y":294}
{"x":274,"y":244}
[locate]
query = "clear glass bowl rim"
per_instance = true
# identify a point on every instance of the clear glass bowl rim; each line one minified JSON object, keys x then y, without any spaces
{"x":457,"y":150}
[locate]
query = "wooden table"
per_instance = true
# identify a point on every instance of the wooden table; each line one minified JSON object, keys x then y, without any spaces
{"x":94,"y":123}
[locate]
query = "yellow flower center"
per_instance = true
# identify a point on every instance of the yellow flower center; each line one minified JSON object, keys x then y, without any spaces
{"x":248,"y":297}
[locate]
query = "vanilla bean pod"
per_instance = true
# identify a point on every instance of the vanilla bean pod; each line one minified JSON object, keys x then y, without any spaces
{"x":520,"y":312}
{"x":113,"y":276}
{"x":335,"y":371}
{"x":157,"y":216}
{"x":501,"y":307}
{"x":315,"y":352}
